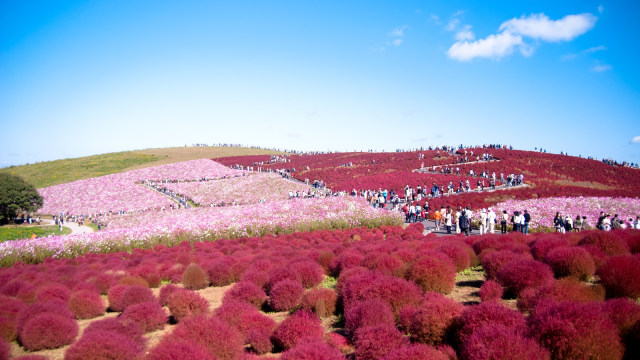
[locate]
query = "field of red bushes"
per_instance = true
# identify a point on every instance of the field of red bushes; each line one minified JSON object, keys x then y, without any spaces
{"x":387,"y":293}
{"x":550,"y":175}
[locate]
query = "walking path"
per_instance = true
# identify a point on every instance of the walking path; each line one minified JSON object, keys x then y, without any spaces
{"x":75,"y":228}
{"x":434,"y":167}
{"x":174,"y":198}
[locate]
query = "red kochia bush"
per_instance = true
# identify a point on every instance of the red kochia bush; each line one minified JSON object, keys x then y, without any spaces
{"x":285,"y":295}
{"x":458,"y":253}
{"x":104,"y":345}
{"x":491,"y":290}
{"x":571,"y":261}
{"x":572,"y":330}
{"x":309,"y":271}
{"x":220,"y":273}
{"x":476,"y":316}
{"x":136,"y":294}
{"x":312,"y":351}
{"x":383,"y":263}
{"x":165,"y":291}
{"x":115,"y":297}
{"x":560,"y":290}
{"x":9,"y":309}
{"x":86,"y":304}
{"x":54,"y":306}
{"x":30,"y":357}
{"x":194,"y":277}
{"x":545,"y":243}
{"x":299,"y":327}
{"x":433,"y":272}
{"x":620,"y":276}
{"x":367,"y":313}
{"x":416,"y":352}
{"x":321,"y":301}
{"x":130,"y":329}
{"x":433,"y":323}
{"x":519,"y":275}
{"x":493,"y":262}
{"x":220,"y":339}
{"x":149,"y":316}
{"x":610,"y":243}
{"x":247,"y":292}
{"x":53,"y":292}
{"x":48,"y":331}
{"x":253,"y":325}
{"x":183,"y":303}
{"x":178,"y":349}
{"x":394,"y":291}
{"x":260,"y":340}
{"x":500,"y":342}
{"x":5,"y":350}
{"x":376,"y":342}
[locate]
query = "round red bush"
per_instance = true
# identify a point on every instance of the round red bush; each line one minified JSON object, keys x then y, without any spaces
{"x":194,"y":277}
{"x":435,"y":319}
{"x":302,"y":326}
{"x":560,"y":290}
{"x":285,"y":295}
{"x":48,"y":331}
{"x":519,"y":275}
{"x":165,"y":291}
{"x":260,"y":278}
{"x":53,"y":292}
{"x":133,"y":280}
{"x":491,"y":290}
{"x":545,"y":243}
{"x":376,"y":342}
{"x":321,"y":301}
{"x":131,"y":330}
{"x":136,"y":294}
{"x":433,"y":272}
{"x":5,"y":350}
{"x":394,"y":291}
{"x":30,"y":357}
{"x":492,"y":312}
{"x":416,"y":352}
{"x":310,"y":272}
{"x":259,"y":340}
{"x":220,"y":273}
{"x":183,"y":303}
{"x":149,"y":316}
{"x":86,"y":304}
{"x":312,"y":351}
{"x":10,"y":308}
{"x":609,"y":242}
{"x":383,"y":263}
{"x":572,"y":261}
{"x":620,"y":276}
{"x":624,"y":313}
{"x":54,"y":307}
{"x":104,"y":282}
{"x":571,"y":330}
{"x":499,"y":342}
{"x":459,"y":255}
{"x":493,"y":262}
{"x":247,"y":292}
{"x":97,"y":345}
{"x":220,"y":339}
{"x":367,"y":313}
{"x":115,"y":295}
{"x":179,"y":349}
{"x":279,"y":274}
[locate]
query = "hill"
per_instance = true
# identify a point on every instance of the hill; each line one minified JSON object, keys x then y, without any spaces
{"x":56,"y":172}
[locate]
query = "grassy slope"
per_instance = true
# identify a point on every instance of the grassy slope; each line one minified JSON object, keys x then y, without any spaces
{"x":23,"y":232}
{"x":62,"y":171}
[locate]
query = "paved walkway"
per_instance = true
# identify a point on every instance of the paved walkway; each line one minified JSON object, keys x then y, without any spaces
{"x":75,"y":228}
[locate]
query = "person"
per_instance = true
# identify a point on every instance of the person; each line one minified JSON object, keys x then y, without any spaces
{"x":483,"y":221}
{"x":606,"y":224}
{"x":577,"y":224}
{"x":636,"y":224}
{"x":464,"y":223}
{"x":615,"y":222}
{"x":527,"y":220}
{"x":558,"y":223}
{"x":503,"y":222}
{"x":568,"y":224}
{"x":456,"y":218}
{"x":601,"y":218}
{"x":436,"y":217}
{"x":447,"y":218}
{"x":491,"y":219}
{"x":515,"y":221}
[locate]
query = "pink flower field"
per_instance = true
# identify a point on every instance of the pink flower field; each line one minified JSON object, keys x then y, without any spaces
{"x":243,"y":190}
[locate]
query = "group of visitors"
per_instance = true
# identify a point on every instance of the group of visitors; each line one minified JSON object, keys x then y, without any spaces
{"x":607,"y":222}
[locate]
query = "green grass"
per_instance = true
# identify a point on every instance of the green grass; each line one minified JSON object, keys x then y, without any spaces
{"x":92,"y":226}
{"x":22,"y":232}
{"x":56,"y":172}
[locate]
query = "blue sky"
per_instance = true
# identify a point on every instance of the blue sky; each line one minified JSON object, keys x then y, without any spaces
{"x":85,"y":77}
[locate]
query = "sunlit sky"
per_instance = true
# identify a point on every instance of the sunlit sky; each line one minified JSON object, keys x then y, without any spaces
{"x":87,"y":77}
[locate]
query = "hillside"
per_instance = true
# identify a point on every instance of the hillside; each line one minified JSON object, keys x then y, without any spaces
{"x":66,"y":170}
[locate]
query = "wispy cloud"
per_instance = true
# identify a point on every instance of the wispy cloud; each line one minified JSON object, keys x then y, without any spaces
{"x":600,"y":9}
{"x":511,"y":34}
{"x":601,"y":67}
{"x":591,"y":50}
{"x":452,"y":25}
{"x":435,"y":18}
{"x":397,"y":35}
{"x":594,"y":49}
{"x":636,"y":140}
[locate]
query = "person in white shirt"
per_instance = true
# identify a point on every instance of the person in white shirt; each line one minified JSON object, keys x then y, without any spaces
{"x":491,"y":219}
{"x":483,"y":222}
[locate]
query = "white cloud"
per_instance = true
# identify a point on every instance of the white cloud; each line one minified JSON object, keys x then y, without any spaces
{"x":452,"y":25}
{"x":600,"y":9}
{"x":435,"y":18}
{"x":539,"y":26}
{"x":397,"y":42}
{"x":399,"y":31}
{"x":636,"y":140}
{"x":601,"y":68}
{"x":465,"y":34}
{"x":594,"y":49}
{"x":493,"y":47}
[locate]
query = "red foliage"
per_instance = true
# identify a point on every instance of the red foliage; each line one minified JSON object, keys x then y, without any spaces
{"x":376,"y":342}
{"x":9,"y":309}
{"x":458,"y":253}
{"x":321,"y":301}
{"x":48,"y":331}
{"x":312,"y":351}
{"x":5,"y":350}
{"x":53,"y":292}
{"x":133,"y":280}
{"x":260,"y":340}
{"x":194,"y":277}
{"x":609,"y":242}
{"x":113,"y":325}
{"x":247,"y":292}
{"x":433,"y":272}
{"x":260,"y":278}
{"x":620,"y":276}
{"x":165,"y":291}
{"x":624,"y":313}
{"x":383,"y":263}
{"x":220,"y":339}
{"x":367,"y":313}
{"x":492,"y":312}
{"x":435,"y":318}
{"x":519,"y":275}
{"x":100,"y":344}
{"x":500,"y":342}
{"x":136,"y":294}
{"x":54,"y":307}
{"x":416,"y":352}
{"x":115,"y":295}
{"x":572,"y":261}
{"x":279,"y":274}
{"x":491,"y":290}
{"x":179,"y":349}
{"x":183,"y":303}
{"x":572,"y":330}
{"x":310,"y":272}
{"x":494,"y":261}
{"x":149,"y":316}
{"x":302,"y":326}
{"x":394,"y":291}
{"x":545,"y":243}
{"x":561,"y":290}
{"x":86,"y":304}
{"x":103,"y":282}
{"x":285,"y":295}
{"x":256,"y":327}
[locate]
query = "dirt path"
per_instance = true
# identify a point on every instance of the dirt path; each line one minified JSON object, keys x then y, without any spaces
{"x":75,"y":228}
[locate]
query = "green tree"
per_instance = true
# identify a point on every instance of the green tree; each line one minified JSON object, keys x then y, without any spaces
{"x":16,"y":195}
